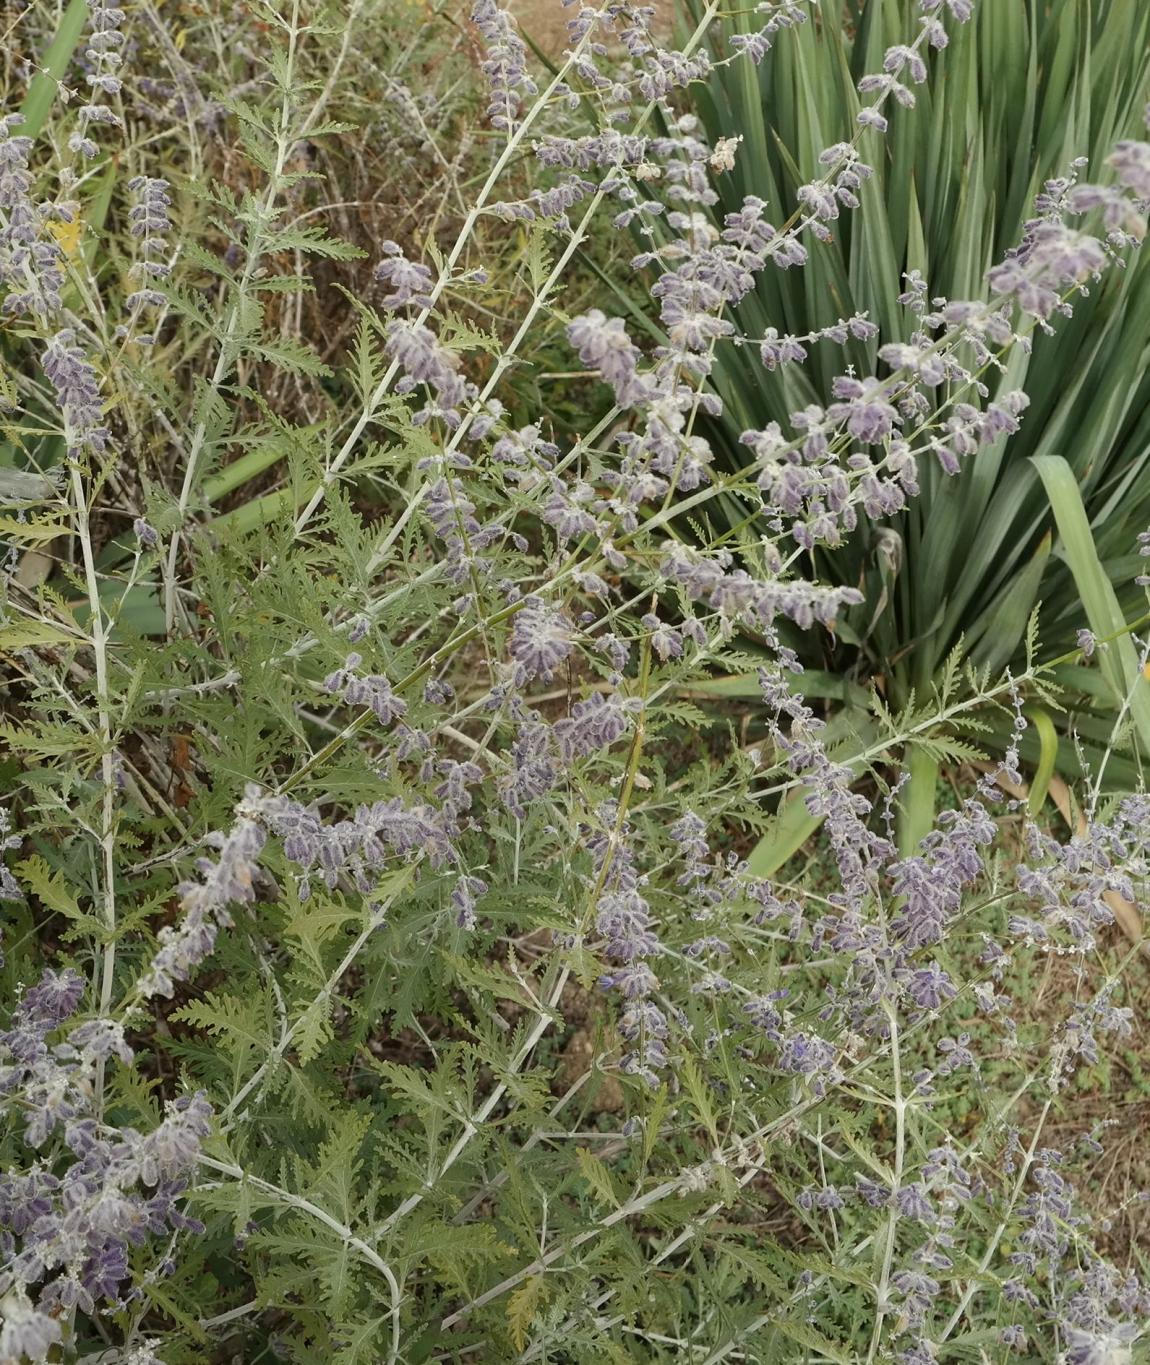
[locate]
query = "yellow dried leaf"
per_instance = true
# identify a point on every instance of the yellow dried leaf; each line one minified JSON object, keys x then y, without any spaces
{"x":522,"y":1307}
{"x":68,"y":236}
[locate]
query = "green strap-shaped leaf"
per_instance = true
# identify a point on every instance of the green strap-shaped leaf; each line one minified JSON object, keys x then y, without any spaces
{"x":1048,"y":756}
{"x":1119,"y":659}
{"x":917,"y":799}
{"x":46,"y":82}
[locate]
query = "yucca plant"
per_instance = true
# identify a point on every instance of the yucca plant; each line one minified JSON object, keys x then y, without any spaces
{"x":1019,"y":93}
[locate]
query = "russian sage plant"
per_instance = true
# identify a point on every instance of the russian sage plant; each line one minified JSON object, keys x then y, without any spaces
{"x":387,"y":979}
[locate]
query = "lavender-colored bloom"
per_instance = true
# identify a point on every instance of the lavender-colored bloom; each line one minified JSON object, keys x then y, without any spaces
{"x":901,"y":57}
{"x":885,"y":86}
{"x":68,"y":1224}
{"x":595,"y":723}
{"x":463,"y":896}
{"x":566,"y":510}
{"x":418,"y":352}
{"x":54,"y":999}
{"x":105,"y":43}
{"x":360,"y":847}
{"x":525,"y":449}
{"x":102,"y":1039}
{"x":667,"y":71}
{"x":25,"y":1332}
{"x":920,"y":1353}
{"x":775,"y":351}
{"x":150,"y":225}
{"x":877,"y":1196}
{"x":410,"y":282}
{"x":912,"y":1202}
{"x":930,"y":987}
{"x":145,"y":533}
{"x":782,"y":14}
{"x":30,"y":259}
{"x":763,"y":1012}
{"x":551,"y":203}
{"x":739,"y":596}
{"x":205,"y":904}
{"x":810,"y":1057}
{"x":170,"y":1151}
{"x":148,"y":219}
{"x":374,"y":691}
{"x":454,"y":790}
{"x":820,"y":1197}
{"x":709,"y":946}
{"x":957,"y":1056}
{"x":77,"y":393}
{"x":642,"y":1019}
{"x":9,"y":887}
{"x":919,"y":1292}
{"x":932,"y":883}
{"x":48,"y":1087}
{"x":452,"y":514}
{"x":870,"y":117}
{"x":634,"y":980}
{"x":867,"y":413}
{"x":1099,"y":1348}
{"x":1131,"y":163}
{"x":1050,"y":256}
{"x":1096,"y":1014}
{"x":624,"y":920}
{"x":505,"y":65}
{"x":540,"y":640}
{"x":604,"y":345}
{"x":532,"y":771}
{"x":666,"y":641}
{"x":690,"y":833}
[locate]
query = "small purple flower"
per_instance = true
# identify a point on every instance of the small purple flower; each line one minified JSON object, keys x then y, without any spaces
{"x":912,"y":1202}
{"x":919,"y":1292}
{"x":877,"y":1196}
{"x":25,"y":1332}
{"x":417,"y":350}
{"x":205,"y":903}
{"x":105,"y":45}
{"x":540,"y":641}
{"x":532,"y":770}
{"x":604,"y":345}
{"x":867,"y":413}
{"x":410,"y":282}
{"x":464,"y":895}
{"x":595,"y":723}
{"x":145,"y":534}
{"x":77,"y":392}
{"x":149,"y":223}
{"x":505,"y":65}
{"x":102,"y":1039}
{"x":930,"y":987}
